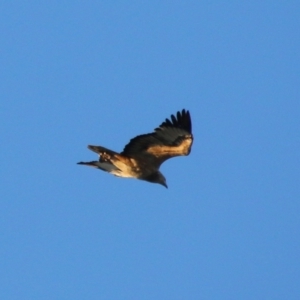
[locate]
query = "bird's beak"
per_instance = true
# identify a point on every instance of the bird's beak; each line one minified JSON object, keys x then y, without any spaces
{"x":165,"y":185}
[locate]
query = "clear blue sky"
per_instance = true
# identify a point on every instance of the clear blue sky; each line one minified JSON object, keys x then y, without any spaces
{"x":75,"y":73}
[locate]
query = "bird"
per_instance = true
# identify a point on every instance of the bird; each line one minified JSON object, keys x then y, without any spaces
{"x":142,"y":157}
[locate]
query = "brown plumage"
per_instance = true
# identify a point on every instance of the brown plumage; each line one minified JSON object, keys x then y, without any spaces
{"x":143,"y":155}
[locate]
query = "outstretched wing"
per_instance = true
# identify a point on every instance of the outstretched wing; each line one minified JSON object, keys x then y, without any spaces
{"x":172,"y":138}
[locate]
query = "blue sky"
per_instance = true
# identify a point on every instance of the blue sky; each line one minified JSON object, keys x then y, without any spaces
{"x":75,"y":73}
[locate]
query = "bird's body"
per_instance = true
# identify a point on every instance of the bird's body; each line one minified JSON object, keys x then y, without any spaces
{"x":143,"y":155}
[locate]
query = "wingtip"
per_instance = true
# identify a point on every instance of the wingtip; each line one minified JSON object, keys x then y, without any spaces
{"x":89,"y":163}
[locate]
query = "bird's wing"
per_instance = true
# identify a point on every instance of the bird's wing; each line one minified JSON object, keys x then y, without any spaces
{"x":172,"y":138}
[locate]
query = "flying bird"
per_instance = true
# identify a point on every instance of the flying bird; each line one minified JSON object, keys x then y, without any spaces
{"x":143,"y":155}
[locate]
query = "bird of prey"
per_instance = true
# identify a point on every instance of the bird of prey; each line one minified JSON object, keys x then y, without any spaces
{"x":143,"y":155}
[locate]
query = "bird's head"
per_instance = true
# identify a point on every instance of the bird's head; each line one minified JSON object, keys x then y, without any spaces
{"x":157,"y":177}
{"x":162,"y":180}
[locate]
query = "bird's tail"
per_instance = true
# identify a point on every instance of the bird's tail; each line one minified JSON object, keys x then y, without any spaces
{"x":110,"y":161}
{"x":104,"y":153}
